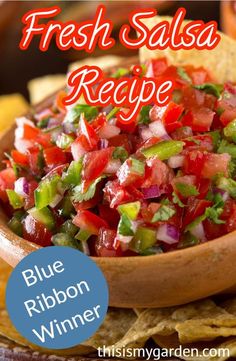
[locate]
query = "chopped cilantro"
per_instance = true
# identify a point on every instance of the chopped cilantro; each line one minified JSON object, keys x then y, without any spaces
{"x":177,"y":201}
{"x":144,"y":114}
{"x":125,"y":226}
{"x":73,"y":114}
{"x":210,"y":88}
{"x":79,"y":196}
{"x":228,"y":185}
{"x":226,"y":147}
{"x":187,"y":190}
{"x":163,"y":214}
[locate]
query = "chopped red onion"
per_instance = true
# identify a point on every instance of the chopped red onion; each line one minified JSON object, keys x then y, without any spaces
{"x":103,"y":143}
{"x":198,"y":232}
{"x":22,"y":187}
{"x":45,"y":113}
{"x":109,"y":131}
{"x":157,"y":128}
{"x":22,"y":145}
{"x":145,"y":133}
{"x":168,"y":233}
{"x":68,"y":127}
{"x":151,"y":192}
{"x":53,"y":122}
{"x":113,"y":166}
{"x":107,"y":109}
{"x":176,"y":161}
{"x":224,"y":194}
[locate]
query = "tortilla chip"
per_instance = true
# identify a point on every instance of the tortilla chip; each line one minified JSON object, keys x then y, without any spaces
{"x":8,"y":330}
{"x":219,"y":61}
{"x":101,"y":61}
{"x":11,"y":106}
{"x":116,"y":324}
{"x":229,"y":305}
{"x":41,"y":88}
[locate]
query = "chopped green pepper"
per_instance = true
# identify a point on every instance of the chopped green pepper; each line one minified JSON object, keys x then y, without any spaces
{"x":131,"y":210}
{"x":63,"y":239}
{"x":44,"y":216}
{"x":15,"y":200}
{"x":144,"y":238}
{"x":164,"y":150}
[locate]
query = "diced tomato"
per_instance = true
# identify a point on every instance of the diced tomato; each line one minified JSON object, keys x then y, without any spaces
{"x":203,"y":186}
{"x":121,"y":140}
{"x":34,"y":156}
{"x":110,"y":215}
{"x":194,"y":209}
{"x":89,"y":222}
{"x":156,"y":67}
{"x":182,"y":133}
{"x":99,"y":122}
{"x":213,"y":230}
{"x":157,"y":173}
{"x":193,"y":162}
{"x":88,"y":131}
{"x":29,"y":132}
{"x":226,"y":106}
{"x":148,"y":211}
{"x":20,"y":158}
{"x":229,"y":215}
{"x":127,"y":128}
{"x":29,"y":199}
{"x":7,"y":179}
{"x":57,"y":170}
{"x":193,"y":99}
{"x":107,"y":245}
{"x":36,"y":232}
{"x":80,"y":147}
{"x":94,"y":164}
{"x":169,"y":115}
{"x":54,"y":156}
{"x":200,"y":119}
{"x":147,"y":143}
{"x":198,"y":75}
{"x":215,"y":164}
{"x":127,"y":175}
{"x":44,"y":139}
{"x":202,"y":142}
{"x":116,"y":194}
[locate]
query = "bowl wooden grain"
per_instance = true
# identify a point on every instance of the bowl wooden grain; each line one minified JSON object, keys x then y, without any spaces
{"x":153,"y":281}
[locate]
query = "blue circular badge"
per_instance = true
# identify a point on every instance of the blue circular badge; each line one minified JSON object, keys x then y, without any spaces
{"x":57,"y":297}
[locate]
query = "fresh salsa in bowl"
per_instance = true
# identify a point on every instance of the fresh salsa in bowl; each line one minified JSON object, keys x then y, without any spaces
{"x":77,"y":177}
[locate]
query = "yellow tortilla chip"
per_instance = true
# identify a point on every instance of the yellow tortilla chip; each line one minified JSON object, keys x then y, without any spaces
{"x":220,"y":61}
{"x":116,"y":324}
{"x":11,"y":106}
{"x":41,"y":88}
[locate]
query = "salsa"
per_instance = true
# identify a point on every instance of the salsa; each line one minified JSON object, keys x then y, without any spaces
{"x":77,"y":177}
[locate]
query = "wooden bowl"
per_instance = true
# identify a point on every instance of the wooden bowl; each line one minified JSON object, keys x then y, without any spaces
{"x":160,"y":280}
